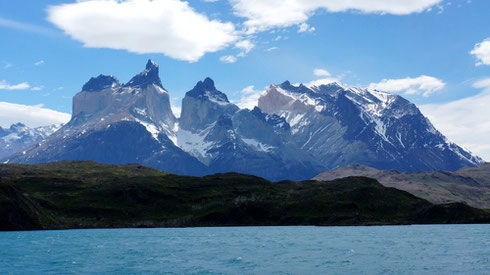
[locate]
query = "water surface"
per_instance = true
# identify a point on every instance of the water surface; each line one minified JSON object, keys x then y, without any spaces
{"x":440,"y":249}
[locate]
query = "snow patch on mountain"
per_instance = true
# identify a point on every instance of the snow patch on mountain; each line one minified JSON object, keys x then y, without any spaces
{"x":257,"y":145}
{"x":194,"y":143}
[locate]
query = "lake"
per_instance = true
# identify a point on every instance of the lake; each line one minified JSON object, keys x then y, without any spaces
{"x":440,"y":249}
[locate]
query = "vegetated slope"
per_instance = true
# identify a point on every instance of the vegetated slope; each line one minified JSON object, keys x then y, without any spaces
{"x":91,"y":195}
{"x":468,"y":185}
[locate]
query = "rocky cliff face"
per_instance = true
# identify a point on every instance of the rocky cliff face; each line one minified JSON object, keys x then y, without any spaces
{"x":296,"y":131}
{"x":119,"y":123}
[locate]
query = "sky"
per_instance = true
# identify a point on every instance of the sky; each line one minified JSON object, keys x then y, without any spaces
{"x":435,"y":53}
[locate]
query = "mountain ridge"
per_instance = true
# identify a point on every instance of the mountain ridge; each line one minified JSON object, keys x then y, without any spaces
{"x":64,"y":195}
{"x":296,"y":132}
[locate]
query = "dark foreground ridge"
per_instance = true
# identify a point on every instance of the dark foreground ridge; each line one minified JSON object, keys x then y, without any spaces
{"x":64,"y":195}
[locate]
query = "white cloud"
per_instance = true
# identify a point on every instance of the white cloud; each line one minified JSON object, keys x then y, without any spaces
{"x":228,"y":59}
{"x":482,"y":52}
{"x":40,"y":62}
{"x":32,"y":116}
{"x":465,"y":121}
{"x":322,"y":81}
{"x":38,"y":88}
{"x":272,"y":49}
{"x":250,"y":97}
{"x":245,"y":45}
{"x":321,"y":72}
{"x":265,"y":14}
{"x":325,"y":78}
{"x":170,"y":27}
{"x":422,"y":85}
{"x":175,"y":105}
{"x":4,"y":85}
{"x":303,"y":27}
{"x":482,"y":83}
{"x":177,"y":110}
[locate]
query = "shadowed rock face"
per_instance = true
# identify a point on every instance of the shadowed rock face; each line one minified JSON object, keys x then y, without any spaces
{"x":100,"y":83}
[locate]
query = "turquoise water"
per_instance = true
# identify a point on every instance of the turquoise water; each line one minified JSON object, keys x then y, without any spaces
{"x":425,"y":249}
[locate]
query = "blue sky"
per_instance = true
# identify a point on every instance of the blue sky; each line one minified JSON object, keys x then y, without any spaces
{"x":433,"y":52}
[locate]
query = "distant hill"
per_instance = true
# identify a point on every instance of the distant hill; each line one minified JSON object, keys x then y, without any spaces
{"x":91,"y":195}
{"x":468,"y":185}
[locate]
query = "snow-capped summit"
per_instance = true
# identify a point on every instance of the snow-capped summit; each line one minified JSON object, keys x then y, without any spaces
{"x":19,"y":136}
{"x":342,"y":125}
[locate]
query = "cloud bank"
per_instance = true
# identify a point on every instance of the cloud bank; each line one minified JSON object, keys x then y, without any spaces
{"x":4,"y":85}
{"x":423,"y":85}
{"x":32,"y":116}
{"x":465,"y":121}
{"x":262,"y":15}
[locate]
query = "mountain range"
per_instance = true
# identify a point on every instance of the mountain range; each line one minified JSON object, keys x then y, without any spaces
{"x":296,"y":132}
{"x":19,"y":136}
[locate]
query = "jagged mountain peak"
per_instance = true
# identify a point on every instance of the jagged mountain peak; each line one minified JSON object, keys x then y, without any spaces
{"x":208,"y":84}
{"x":206,"y":90}
{"x":100,"y":83}
{"x":151,"y":65}
{"x":286,"y":84}
{"x":203,"y":105}
{"x":147,"y":77}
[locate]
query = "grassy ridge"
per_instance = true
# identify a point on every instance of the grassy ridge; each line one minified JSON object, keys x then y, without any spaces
{"x":91,"y":195}
{"x":468,"y":185}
